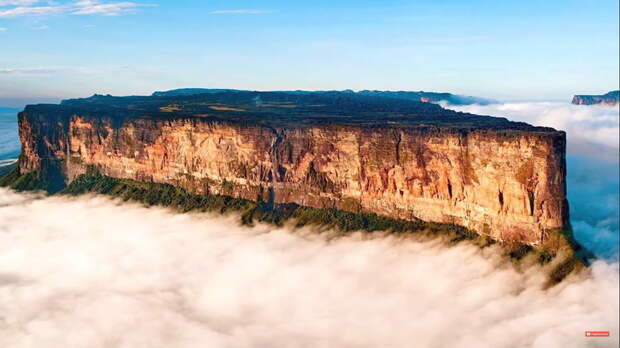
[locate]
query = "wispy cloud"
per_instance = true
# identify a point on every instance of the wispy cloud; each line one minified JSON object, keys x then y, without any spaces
{"x":86,"y":70}
{"x":241,"y":12}
{"x":31,"y":11}
{"x":455,"y":39}
{"x":2,"y":29}
{"x":18,"y":2}
{"x":82,"y":7}
{"x":93,"y":7}
{"x":27,"y":71}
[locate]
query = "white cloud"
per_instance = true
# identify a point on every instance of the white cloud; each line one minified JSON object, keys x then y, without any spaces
{"x":92,"y":7}
{"x":583,"y":124}
{"x":18,"y":2}
{"x":90,"y":272}
{"x":240,"y":12}
{"x":83,"y":7}
{"x":31,"y":11}
{"x":3,"y":29}
{"x":27,"y":71}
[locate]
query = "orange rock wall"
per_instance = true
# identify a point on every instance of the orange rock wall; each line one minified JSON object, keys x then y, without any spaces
{"x":509,"y":185}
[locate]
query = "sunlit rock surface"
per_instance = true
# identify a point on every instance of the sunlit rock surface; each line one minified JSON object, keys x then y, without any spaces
{"x":398,"y":158}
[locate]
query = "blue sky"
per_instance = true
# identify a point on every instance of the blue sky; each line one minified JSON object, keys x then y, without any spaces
{"x":510,"y":50}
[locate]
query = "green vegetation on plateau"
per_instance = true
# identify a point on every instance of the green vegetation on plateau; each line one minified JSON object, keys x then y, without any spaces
{"x":11,"y":178}
{"x":250,"y":211}
{"x":48,"y":180}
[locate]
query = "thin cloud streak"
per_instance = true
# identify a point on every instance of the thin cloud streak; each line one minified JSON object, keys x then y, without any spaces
{"x":32,"y":11}
{"x":62,"y":69}
{"x":451,"y":39}
{"x":84,"y":7}
{"x":27,"y":71}
{"x":241,"y":12}
{"x":94,"y":7}
{"x":18,"y":2}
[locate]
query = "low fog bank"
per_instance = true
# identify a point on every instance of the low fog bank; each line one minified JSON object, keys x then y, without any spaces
{"x":589,"y":128}
{"x":592,"y":161}
{"x":91,"y":272}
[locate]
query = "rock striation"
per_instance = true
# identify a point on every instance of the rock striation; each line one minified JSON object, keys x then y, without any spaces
{"x":399,"y":158}
{"x":610,"y":98}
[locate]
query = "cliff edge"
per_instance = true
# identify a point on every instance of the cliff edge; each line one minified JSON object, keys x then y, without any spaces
{"x":432,"y":97}
{"x":397,"y":158}
{"x":610,"y":98}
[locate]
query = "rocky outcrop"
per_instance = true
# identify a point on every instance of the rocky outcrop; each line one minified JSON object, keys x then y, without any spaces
{"x":611,"y":98}
{"x":499,"y":178}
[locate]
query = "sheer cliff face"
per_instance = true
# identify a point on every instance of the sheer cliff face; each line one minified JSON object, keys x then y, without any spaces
{"x":508,"y":184}
{"x":611,"y":98}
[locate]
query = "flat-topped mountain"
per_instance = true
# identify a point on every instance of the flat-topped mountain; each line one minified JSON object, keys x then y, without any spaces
{"x":281,"y":109}
{"x":397,"y":158}
{"x":429,"y":97}
{"x":610,"y":98}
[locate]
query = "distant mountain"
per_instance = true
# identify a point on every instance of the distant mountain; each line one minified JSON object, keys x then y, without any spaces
{"x":191,"y":91}
{"x":420,"y":96}
{"x":611,"y":98}
{"x":432,"y":97}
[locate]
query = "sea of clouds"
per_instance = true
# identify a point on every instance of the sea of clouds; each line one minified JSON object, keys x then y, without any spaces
{"x":591,"y":129}
{"x":92,"y":272}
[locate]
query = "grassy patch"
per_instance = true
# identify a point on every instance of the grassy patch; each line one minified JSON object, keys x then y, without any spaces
{"x":23,"y":182}
{"x":170,"y":108}
{"x":562,"y":270}
{"x":5,"y":169}
{"x":519,"y":251}
{"x":225,"y":108}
